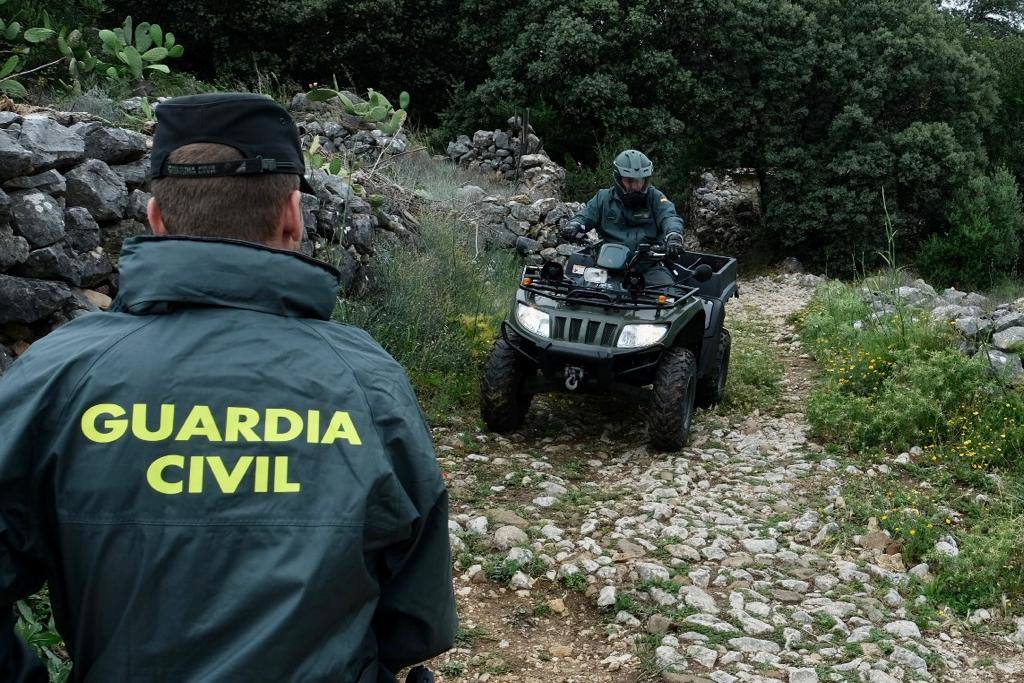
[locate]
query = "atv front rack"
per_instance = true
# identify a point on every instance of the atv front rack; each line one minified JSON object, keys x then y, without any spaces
{"x":650,"y":298}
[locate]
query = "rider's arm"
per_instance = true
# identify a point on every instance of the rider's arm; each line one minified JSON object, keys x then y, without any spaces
{"x":665,"y":215}
{"x":590,"y":214}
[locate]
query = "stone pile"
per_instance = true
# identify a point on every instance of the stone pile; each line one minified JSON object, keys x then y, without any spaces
{"x":74,"y":188}
{"x":996,"y":330}
{"x":502,"y":154}
{"x":725,"y":211}
{"x":531,"y":226}
{"x":339,"y":131}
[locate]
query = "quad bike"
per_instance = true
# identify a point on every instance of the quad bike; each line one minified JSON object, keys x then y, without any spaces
{"x":594,"y":325}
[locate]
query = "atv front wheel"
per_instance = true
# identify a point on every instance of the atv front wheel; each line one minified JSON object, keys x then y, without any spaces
{"x":675,"y":392}
{"x":503,"y":399}
{"x":711,"y":389}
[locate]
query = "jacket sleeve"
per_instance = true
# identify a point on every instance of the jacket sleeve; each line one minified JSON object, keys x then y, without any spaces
{"x":416,"y":617}
{"x":665,"y":215}
{"x":590,"y":214}
{"x":22,"y":568}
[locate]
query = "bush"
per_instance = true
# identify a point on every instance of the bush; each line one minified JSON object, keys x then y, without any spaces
{"x":984,"y":243}
{"x":436,"y":308}
{"x":897,"y":382}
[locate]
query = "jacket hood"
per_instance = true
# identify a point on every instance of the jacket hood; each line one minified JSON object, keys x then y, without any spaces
{"x":158,"y":274}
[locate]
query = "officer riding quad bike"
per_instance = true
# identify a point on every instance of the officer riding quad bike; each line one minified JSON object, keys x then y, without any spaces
{"x":595,"y":326}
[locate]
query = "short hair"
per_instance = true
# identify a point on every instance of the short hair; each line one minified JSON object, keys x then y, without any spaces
{"x":236,"y":207}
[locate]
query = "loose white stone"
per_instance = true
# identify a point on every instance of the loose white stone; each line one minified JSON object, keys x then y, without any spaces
{"x":702,"y":655}
{"x":903,"y":629}
{"x":760,"y":545}
{"x":607,"y":598}
{"x":803,"y":676}
{"x":750,"y":645}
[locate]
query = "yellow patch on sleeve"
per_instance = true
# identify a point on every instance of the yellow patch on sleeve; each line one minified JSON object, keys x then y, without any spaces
{"x":664,"y":199}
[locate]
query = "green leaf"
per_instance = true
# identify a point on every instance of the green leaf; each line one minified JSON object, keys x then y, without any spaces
{"x":169,"y":40}
{"x":176,"y":51}
{"x":127,"y":28}
{"x":12,"y":31}
{"x":73,"y":67}
{"x":38,"y":35}
{"x":112,"y":73}
{"x":154,"y":54}
{"x":9,"y":66}
{"x":63,"y":47}
{"x":403,"y":100}
{"x":376,"y":114}
{"x":335,"y":166}
{"x":13,"y":88}
{"x":74,"y":39}
{"x":110,"y":41}
{"x":162,"y":68}
{"x":157,"y":34}
{"x":142,"y":39}
{"x":320,"y":94}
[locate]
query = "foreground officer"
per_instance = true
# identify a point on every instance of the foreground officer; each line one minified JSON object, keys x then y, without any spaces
{"x":218,"y":483}
{"x":630,"y":211}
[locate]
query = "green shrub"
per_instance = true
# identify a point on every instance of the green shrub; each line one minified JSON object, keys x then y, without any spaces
{"x":984,"y":243}
{"x":436,"y":307}
{"x":890,"y":384}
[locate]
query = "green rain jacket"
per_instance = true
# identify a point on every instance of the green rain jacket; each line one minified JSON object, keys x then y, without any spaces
{"x":618,"y":223}
{"x":220,"y":484}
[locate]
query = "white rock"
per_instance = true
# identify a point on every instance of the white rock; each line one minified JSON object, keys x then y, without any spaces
{"x":507,"y":537}
{"x":650,"y":571}
{"x":803,"y":676}
{"x":545,"y":501}
{"x":667,"y":657}
{"x":607,"y":598}
{"x":520,"y":580}
{"x":702,"y":655}
{"x":698,"y":599}
{"x":825,"y":582}
{"x":905,"y":657}
{"x":903,"y":629}
{"x":477,"y":526}
{"x":520,"y":555}
{"x":760,"y":545}
{"x":751,"y":645}
{"x":700,"y":577}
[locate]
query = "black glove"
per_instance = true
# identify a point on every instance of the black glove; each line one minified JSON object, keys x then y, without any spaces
{"x":573,"y":232}
{"x":674,"y":244}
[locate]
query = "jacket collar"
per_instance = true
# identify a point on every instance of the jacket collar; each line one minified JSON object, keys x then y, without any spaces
{"x":158,"y":274}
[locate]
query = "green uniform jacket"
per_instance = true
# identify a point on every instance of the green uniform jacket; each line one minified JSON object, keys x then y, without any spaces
{"x":617,"y":223}
{"x":219,"y":483}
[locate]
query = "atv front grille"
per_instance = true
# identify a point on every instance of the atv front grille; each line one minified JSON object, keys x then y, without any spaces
{"x":583,"y":331}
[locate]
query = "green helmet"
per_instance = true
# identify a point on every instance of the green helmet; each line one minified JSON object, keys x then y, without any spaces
{"x":633,"y":164}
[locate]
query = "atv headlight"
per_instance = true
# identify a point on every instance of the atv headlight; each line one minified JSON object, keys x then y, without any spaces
{"x":533,"y":320}
{"x":634,"y":336}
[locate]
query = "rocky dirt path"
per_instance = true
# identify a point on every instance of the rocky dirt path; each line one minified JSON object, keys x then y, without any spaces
{"x":582,"y":556}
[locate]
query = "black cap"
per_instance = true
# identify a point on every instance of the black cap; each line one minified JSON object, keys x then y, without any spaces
{"x":257,"y":126}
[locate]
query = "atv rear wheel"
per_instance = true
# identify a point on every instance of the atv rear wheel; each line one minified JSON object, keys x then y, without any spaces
{"x":711,"y":389}
{"x":503,"y":399}
{"x":672,"y":406}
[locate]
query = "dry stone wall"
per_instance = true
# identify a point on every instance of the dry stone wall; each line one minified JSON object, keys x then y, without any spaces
{"x":73,"y":188}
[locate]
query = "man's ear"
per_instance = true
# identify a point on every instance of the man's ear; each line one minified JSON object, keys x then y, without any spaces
{"x":290,"y":222}
{"x":156,"y":218}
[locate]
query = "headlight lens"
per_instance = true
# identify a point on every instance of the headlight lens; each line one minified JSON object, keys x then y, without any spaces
{"x":537,"y":322}
{"x":634,"y":336}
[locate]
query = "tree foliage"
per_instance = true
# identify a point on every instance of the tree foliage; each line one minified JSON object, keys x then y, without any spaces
{"x":831,"y":100}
